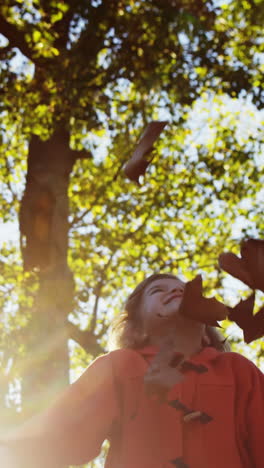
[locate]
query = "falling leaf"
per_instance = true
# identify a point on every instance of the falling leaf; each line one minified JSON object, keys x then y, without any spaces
{"x":252,"y":325}
{"x":235,"y":266}
{"x":197,"y":307}
{"x":250,"y":267}
{"x":252,"y":251}
{"x":138,"y":163}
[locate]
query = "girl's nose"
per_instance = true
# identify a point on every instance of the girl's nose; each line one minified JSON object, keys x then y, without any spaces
{"x":176,"y":289}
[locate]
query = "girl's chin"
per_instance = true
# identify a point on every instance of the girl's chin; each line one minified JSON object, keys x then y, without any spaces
{"x":169,"y":314}
{"x":165,"y":316}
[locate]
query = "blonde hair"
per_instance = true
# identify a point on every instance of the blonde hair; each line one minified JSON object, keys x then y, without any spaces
{"x":126,"y":331}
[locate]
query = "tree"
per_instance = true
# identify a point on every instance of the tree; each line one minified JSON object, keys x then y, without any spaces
{"x":77,"y":76}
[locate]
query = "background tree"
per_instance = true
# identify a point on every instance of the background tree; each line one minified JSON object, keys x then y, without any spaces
{"x":79,"y":80}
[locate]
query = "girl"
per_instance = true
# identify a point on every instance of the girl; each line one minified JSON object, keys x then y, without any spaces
{"x":205,"y":410}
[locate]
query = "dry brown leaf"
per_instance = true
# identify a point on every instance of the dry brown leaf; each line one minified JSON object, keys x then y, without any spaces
{"x":242,"y":315}
{"x":250,"y":267}
{"x":138,"y":162}
{"x":252,"y":253}
{"x":235,"y":266}
{"x":197,"y":307}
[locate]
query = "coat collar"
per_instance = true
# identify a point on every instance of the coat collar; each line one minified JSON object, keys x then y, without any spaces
{"x":201,"y":364}
{"x":206,"y":355}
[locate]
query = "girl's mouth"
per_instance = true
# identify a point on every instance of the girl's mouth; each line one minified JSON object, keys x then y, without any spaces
{"x":170,"y":298}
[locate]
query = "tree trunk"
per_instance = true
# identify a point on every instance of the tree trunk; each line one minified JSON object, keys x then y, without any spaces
{"x":46,"y":369}
{"x":44,"y":242}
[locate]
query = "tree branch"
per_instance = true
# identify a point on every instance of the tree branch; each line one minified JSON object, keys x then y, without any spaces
{"x":62,"y":26}
{"x":85,"y":338}
{"x":16,"y":38}
{"x":9,"y":171}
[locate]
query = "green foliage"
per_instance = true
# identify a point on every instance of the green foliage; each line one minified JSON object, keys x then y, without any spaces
{"x":103,"y":69}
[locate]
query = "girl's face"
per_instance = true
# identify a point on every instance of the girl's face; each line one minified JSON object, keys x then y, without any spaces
{"x":160,"y":303}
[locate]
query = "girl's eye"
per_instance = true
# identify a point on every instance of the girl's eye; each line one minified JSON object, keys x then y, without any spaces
{"x":155,"y":290}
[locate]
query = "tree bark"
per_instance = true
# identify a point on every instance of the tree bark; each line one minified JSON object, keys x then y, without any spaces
{"x":44,"y":240}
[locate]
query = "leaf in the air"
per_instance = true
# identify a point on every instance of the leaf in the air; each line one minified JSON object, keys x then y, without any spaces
{"x":252,"y":325}
{"x":250,"y":267}
{"x":252,"y":252}
{"x":138,"y":163}
{"x":197,"y":307}
{"x":235,"y":266}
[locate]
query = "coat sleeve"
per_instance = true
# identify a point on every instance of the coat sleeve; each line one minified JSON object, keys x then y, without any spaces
{"x":73,"y":429}
{"x":255,"y":417}
{"x":250,"y":401}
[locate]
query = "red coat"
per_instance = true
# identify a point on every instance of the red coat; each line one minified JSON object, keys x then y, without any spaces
{"x":108,"y":401}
